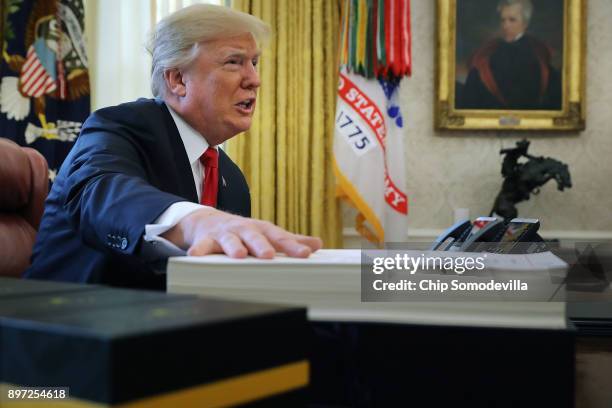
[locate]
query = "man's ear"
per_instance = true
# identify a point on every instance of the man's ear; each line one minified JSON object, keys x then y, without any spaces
{"x":174,"y":82}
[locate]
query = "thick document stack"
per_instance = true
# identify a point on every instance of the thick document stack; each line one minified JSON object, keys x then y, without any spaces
{"x":123,"y":347}
{"x":330,"y":282}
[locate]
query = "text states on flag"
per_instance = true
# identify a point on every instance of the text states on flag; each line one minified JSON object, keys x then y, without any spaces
{"x":359,"y":102}
{"x":358,"y":109}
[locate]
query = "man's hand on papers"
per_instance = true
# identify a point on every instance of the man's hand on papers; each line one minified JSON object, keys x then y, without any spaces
{"x":210,"y":231}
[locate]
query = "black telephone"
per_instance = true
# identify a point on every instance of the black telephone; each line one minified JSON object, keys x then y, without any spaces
{"x":490,"y":234}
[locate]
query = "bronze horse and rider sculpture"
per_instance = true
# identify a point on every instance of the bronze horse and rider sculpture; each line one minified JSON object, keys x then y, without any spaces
{"x":523,"y":179}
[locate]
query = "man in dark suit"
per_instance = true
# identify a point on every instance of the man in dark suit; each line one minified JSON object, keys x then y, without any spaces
{"x":146,"y":179}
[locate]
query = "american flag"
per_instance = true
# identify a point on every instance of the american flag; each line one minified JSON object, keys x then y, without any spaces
{"x":43,"y":72}
{"x":35,"y":79}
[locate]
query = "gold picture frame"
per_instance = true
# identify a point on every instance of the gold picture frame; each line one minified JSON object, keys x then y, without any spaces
{"x":464,"y":105}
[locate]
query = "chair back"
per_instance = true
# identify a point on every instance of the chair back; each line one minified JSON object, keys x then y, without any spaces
{"x":24,"y":185}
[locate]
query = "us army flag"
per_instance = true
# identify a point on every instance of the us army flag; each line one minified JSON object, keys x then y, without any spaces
{"x":369,"y":157}
{"x":375,"y":56}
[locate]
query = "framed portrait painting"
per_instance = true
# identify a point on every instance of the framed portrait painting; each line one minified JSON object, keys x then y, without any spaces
{"x":510,"y":64}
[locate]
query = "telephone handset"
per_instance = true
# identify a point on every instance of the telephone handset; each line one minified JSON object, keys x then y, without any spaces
{"x":484,"y":229}
{"x":455,"y":233}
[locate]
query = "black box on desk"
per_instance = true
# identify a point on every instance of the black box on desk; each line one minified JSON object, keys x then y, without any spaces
{"x":154,"y":348}
{"x":55,"y":299}
{"x":17,"y":288}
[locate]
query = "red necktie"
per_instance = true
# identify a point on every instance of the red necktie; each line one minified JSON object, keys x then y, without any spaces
{"x":210,"y":161}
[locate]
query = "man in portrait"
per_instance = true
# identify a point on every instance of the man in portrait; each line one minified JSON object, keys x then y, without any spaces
{"x":513,"y":71}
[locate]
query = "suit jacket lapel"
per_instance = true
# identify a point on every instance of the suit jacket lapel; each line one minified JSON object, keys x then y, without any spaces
{"x":180,"y":162}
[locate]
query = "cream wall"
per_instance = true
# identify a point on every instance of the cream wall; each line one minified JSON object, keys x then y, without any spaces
{"x":448,"y":170}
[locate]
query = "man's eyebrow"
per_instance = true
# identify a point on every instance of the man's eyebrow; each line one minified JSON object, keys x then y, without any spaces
{"x":236,"y":52}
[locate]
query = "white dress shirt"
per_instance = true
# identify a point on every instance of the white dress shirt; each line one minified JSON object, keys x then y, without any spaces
{"x":195,"y":145}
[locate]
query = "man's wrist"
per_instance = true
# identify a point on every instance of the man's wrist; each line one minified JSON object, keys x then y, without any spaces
{"x":183,"y":233}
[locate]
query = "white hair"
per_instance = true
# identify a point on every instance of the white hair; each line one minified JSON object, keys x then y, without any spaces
{"x":175,"y":41}
{"x":526,"y":8}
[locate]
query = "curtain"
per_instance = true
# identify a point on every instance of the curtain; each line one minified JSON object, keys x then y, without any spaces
{"x":117,"y":31}
{"x":120,"y":67}
{"x":287,"y":154}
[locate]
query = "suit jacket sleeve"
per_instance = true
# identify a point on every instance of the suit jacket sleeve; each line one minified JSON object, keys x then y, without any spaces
{"x":113,"y":182}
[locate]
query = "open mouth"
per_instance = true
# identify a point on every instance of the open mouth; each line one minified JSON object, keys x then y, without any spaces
{"x":246,"y":104}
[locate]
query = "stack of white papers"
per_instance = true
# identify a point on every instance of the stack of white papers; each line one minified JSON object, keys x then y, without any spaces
{"x":328,"y":283}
